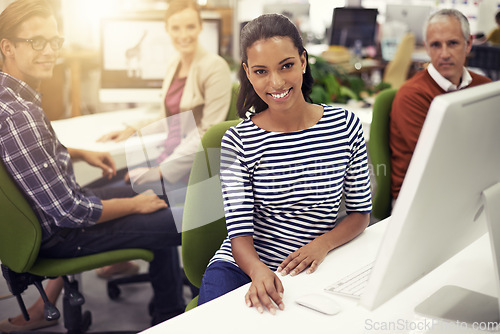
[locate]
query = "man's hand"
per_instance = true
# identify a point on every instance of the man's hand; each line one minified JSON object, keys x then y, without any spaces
{"x":144,"y":203}
{"x":101,"y":160}
{"x":148,"y":202}
{"x":118,"y":135}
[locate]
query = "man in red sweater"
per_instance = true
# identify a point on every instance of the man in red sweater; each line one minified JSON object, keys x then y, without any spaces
{"x":447,"y":42}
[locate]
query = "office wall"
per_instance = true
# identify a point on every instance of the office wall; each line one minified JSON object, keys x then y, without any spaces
{"x":481,"y":14}
{"x":4,"y":3}
{"x":486,"y":15}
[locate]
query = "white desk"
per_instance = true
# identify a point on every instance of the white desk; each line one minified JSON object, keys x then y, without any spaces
{"x":82,"y":132}
{"x":472,"y":268}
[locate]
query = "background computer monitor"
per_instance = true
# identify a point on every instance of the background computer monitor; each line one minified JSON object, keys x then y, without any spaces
{"x":439,"y":209}
{"x":135,"y":51}
{"x":351,"y":24}
{"x":413,"y":16}
{"x":294,"y":11}
{"x":298,"y":13}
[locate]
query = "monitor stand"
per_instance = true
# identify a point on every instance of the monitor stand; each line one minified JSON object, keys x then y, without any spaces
{"x":454,"y":303}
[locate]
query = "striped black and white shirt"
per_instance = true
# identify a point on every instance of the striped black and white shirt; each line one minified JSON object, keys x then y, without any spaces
{"x":285,"y":188}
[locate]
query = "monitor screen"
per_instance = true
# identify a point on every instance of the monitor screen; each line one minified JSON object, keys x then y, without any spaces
{"x":135,"y":51}
{"x":440,"y":209}
{"x":351,"y":24}
{"x":413,"y":16}
{"x":296,"y":12}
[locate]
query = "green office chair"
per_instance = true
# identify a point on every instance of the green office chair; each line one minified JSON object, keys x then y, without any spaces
{"x":233,"y":111}
{"x":380,"y":154}
{"x":20,"y":240}
{"x":201,"y":241}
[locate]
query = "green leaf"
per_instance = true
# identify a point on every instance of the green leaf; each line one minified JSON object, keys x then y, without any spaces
{"x":319,"y":95}
{"x":332,"y":86}
{"x":332,"y":83}
{"x":349,"y":93}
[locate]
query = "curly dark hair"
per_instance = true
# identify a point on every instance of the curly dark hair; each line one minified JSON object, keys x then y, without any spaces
{"x":264,"y":27}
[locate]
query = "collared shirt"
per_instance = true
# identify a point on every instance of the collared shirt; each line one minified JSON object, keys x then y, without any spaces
{"x":447,"y":85}
{"x":39,"y":163}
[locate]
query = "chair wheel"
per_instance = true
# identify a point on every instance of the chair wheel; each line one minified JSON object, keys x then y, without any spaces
{"x":151,"y":308}
{"x":86,"y":320}
{"x":113,"y":291}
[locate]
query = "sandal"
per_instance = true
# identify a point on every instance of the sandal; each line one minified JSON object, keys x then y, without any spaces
{"x":119,"y":269}
{"x":7,"y":327}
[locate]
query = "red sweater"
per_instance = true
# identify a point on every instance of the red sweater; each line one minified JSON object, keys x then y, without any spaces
{"x":408,"y":113}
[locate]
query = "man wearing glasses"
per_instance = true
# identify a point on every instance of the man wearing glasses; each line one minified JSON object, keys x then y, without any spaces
{"x":75,"y":221}
{"x":39,"y":43}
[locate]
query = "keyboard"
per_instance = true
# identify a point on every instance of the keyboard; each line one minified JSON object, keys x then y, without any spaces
{"x":352,"y":285}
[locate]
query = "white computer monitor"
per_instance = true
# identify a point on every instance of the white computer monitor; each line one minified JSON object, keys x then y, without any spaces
{"x":440,"y":209}
{"x":135,"y":50}
{"x":413,"y":16}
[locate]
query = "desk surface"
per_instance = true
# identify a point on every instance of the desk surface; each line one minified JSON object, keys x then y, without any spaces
{"x":471,"y":268}
{"x":83,"y":131}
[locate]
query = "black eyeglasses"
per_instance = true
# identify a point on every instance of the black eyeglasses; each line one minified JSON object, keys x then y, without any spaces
{"x":39,"y":43}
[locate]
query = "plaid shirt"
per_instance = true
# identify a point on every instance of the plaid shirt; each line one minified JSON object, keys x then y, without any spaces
{"x":39,"y":163}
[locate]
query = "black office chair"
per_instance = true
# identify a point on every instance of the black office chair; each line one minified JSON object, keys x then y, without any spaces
{"x":113,"y":285}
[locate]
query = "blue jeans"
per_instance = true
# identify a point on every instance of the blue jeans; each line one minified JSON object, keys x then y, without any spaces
{"x":220,"y":278}
{"x":155,"y":231}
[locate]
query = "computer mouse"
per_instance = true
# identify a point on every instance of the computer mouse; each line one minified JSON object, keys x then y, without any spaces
{"x":320,"y":303}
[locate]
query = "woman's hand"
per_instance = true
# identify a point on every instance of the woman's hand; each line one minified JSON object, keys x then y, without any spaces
{"x":142,"y":175}
{"x":308,"y":256}
{"x":118,"y":135}
{"x":265,"y":290}
{"x":311,"y":255}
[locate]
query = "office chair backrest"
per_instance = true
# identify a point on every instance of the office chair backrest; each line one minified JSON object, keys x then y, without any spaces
{"x":20,"y":231}
{"x":380,"y":154}
{"x":486,"y":58}
{"x":199,"y":243}
{"x":233,"y":110}
{"x":397,"y":70}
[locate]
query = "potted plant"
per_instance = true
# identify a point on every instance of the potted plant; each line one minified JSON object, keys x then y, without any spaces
{"x":332,"y":83}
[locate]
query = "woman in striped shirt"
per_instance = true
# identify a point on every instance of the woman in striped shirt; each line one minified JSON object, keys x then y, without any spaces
{"x":284,"y":171}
